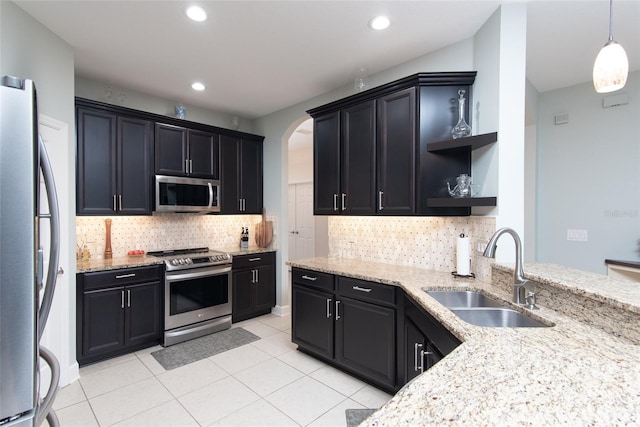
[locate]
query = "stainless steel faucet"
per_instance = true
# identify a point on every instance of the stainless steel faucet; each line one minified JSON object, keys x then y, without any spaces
{"x":520,"y":284}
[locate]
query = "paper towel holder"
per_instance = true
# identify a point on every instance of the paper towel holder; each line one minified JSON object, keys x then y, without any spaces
{"x":462,"y":255}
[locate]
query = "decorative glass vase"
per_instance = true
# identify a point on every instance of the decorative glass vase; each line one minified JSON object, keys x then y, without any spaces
{"x":461,"y":129}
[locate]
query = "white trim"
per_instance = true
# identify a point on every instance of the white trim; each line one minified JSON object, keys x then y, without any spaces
{"x":281,"y":310}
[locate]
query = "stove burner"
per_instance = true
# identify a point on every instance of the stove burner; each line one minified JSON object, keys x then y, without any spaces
{"x":182,"y":259}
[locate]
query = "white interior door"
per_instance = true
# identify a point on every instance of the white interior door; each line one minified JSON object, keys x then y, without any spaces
{"x":300,"y":227}
{"x":304,"y":221}
{"x":291,"y":225}
{"x":57,"y":333}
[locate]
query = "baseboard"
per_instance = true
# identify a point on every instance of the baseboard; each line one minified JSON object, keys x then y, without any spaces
{"x":281,"y":310}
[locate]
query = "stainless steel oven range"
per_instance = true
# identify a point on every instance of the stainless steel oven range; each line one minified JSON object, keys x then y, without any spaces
{"x":197,"y":293}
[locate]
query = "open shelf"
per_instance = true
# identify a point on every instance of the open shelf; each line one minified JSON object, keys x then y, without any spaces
{"x":471,"y":142}
{"x":450,"y":202}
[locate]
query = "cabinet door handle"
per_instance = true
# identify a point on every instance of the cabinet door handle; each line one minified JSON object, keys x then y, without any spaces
{"x":328,"y":308}
{"x":344,"y":201}
{"x":257,"y":276}
{"x":380,"y":207}
{"x":190,"y":166}
{"x":254,"y":259}
{"x":335,"y":202}
{"x":121,"y":299}
{"x":313,"y":279}
{"x":124,"y":276}
{"x":358,"y":288}
{"x":422,"y":356}
{"x":239,"y":205}
{"x":115,"y":208}
{"x":337,"y":310}
{"x":186,"y":165}
{"x":416,"y":347}
{"x":119,"y":202}
{"x":128,"y":297}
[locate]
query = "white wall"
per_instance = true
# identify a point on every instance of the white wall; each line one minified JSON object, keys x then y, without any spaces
{"x":499,"y":104}
{"x":97,"y":91}
{"x":29,"y":50}
{"x":300,"y":165}
{"x":589,"y":176}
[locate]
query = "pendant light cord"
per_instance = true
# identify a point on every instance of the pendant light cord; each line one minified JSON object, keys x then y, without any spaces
{"x":610,"y":20}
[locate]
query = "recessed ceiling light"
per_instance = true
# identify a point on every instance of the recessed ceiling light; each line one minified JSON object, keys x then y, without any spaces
{"x":197,"y":86}
{"x":379,"y":22}
{"x":197,"y":13}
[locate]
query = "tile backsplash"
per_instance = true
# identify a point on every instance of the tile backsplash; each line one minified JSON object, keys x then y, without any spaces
{"x":165,"y":231}
{"x":426,"y":242}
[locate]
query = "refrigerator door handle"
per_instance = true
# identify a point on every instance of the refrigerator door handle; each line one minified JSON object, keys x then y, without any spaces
{"x":44,"y":409}
{"x":54,"y":241}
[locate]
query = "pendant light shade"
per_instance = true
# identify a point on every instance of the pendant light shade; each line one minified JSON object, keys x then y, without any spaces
{"x":612,"y":66}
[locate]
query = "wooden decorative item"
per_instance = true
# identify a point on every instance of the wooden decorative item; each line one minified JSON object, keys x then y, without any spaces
{"x":108,"y":253}
{"x":264,"y":231}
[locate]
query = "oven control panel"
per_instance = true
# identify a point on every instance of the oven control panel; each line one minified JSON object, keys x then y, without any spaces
{"x":186,"y":262}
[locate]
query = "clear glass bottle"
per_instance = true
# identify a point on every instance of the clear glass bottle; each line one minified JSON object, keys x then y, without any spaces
{"x":461,"y":129}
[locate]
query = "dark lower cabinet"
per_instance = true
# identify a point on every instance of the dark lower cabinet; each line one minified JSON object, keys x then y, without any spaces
{"x":313,"y":325}
{"x":426,"y":341}
{"x":254,"y":285}
{"x":370,"y":330}
{"x":118,"y":311}
{"x":366,"y":338}
{"x":348,"y":323}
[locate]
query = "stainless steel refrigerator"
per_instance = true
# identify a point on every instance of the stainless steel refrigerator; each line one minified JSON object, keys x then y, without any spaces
{"x":25,"y":300}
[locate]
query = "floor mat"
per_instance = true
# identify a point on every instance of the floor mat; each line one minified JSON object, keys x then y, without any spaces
{"x":197,"y":349}
{"x":356,"y":416}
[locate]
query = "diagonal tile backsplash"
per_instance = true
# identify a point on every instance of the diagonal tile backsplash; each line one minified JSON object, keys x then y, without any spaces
{"x":165,"y":231}
{"x":426,"y":242}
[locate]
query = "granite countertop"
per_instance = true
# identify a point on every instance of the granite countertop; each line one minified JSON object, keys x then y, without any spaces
{"x":570,"y":373}
{"x":141,"y":261}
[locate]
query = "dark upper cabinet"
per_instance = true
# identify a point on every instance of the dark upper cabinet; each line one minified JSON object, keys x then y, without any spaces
{"x":240,"y":175}
{"x":113,"y":163}
{"x":326,"y":159}
{"x":408,"y":115}
{"x":358,"y":159}
{"x":397,"y":153}
{"x":186,"y":152}
{"x":344,"y":161}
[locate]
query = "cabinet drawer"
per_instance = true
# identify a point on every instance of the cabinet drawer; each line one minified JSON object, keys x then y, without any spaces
{"x":253,"y":260}
{"x":122,"y":276}
{"x":367,"y":291}
{"x":313,"y":279}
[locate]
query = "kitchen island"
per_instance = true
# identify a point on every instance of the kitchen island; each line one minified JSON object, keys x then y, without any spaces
{"x":577,"y":371}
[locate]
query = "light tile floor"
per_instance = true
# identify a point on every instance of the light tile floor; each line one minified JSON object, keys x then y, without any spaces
{"x":265,"y":383}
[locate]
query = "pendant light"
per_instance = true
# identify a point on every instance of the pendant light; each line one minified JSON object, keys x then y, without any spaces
{"x":612,"y":66}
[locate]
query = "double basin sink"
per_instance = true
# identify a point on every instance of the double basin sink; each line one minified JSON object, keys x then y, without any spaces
{"x":477,"y":309}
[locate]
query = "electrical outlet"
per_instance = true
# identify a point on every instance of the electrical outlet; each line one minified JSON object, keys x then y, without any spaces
{"x":577,"y":235}
{"x":481,"y":246}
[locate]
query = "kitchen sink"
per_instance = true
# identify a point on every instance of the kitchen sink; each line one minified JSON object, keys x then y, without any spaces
{"x":496,"y":317}
{"x":459,"y":299}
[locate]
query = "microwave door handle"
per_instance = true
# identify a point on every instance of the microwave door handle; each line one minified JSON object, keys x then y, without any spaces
{"x":210,"y":194}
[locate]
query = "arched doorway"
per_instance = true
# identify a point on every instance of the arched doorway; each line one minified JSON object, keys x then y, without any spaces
{"x":307,"y":235}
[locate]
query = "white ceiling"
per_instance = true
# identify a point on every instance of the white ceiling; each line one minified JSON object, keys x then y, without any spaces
{"x":257,"y":57}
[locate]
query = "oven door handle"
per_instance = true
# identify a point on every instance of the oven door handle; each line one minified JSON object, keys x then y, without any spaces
{"x":173,"y":276}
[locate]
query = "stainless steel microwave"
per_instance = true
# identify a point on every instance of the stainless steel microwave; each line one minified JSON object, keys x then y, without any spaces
{"x":180,"y":194}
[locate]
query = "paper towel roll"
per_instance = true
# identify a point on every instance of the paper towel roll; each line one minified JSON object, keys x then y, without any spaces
{"x":463,"y":257}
